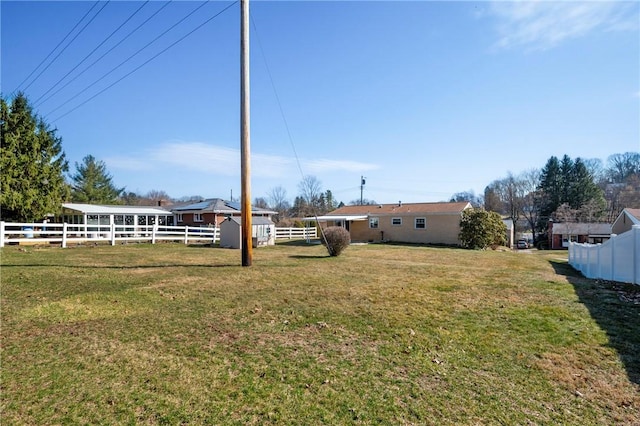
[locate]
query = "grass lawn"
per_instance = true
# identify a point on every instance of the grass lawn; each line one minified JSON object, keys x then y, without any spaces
{"x":383,"y":334}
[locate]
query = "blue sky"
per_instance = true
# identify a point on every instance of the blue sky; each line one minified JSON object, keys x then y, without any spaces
{"x":423,"y":98}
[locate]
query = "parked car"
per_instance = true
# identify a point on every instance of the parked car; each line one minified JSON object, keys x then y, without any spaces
{"x":522,"y":244}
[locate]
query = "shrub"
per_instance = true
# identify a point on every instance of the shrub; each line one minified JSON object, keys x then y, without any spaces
{"x":336,"y":239}
{"x":480,"y":229}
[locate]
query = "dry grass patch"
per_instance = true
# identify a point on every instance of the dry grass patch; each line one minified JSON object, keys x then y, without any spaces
{"x":170,"y":334}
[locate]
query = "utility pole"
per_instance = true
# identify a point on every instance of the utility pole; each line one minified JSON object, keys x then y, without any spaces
{"x":362,"y":182}
{"x":245,"y":160}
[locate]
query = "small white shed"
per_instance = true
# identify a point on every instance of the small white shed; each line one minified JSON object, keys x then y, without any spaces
{"x":264,"y":232}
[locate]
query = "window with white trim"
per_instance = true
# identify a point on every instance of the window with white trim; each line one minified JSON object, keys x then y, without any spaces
{"x":421,"y":223}
{"x":179,"y":217}
{"x":396,"y":221}
{"x":197,"y":217}
{"x":374,"y":222}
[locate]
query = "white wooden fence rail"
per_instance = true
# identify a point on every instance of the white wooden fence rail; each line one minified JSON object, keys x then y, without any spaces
{"x":617,"y":259}
{"x":65,"y":233}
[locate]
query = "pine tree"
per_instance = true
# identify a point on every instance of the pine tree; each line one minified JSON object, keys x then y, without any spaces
{"x":32,"y":162}
{"x":93,"y":184}
{"x":550,"y":189}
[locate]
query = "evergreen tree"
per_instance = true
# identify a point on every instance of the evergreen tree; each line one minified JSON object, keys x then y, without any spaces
{"x":32,"y":162}
{"x":583,"y":189}
{"x":550,"y":191}
{"x":93,"y":184}
{"x":568,"y":182}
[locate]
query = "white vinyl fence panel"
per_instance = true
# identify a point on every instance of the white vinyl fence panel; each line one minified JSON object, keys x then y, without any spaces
{"x":618,"y":259}
{"x":63,"y":233}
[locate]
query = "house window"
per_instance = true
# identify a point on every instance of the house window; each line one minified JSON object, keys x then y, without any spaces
{"x":179,"y":217}
{"x":396,"y":221}
{"x":197,"y":217}
{"x":373,"y":222}
{"x":421,"y":222}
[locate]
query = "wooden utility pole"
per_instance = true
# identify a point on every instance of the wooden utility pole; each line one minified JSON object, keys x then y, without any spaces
{"x":245,"y":154}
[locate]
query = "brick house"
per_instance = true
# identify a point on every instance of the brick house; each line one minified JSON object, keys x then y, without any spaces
{"x":212,"y":212}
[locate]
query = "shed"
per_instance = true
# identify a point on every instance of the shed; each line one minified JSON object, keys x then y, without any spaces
{"x":264,"y":232}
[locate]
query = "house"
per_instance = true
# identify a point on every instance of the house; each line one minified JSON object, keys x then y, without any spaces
{"x":212,"y":212}
{"x":560,"y":234}
{"x":625,"y":220}
{"x":263,"y":233}
{"x":94,"y":214}
{"x":419,"y":223}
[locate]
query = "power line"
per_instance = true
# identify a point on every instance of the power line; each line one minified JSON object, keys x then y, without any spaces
{"x":69,"y":44}
{"x":93,"y":51}
{"x":128,"y":59}
{"x":107,"y":52}
{"x":275,"y":91}
{"x":149,"y":60}
{"x":58,"y":45}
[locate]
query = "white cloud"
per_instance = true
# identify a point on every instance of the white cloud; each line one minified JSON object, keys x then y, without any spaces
{"x":127,"y":163}
{"x":222,"y":161}
{"x":541,"y":25}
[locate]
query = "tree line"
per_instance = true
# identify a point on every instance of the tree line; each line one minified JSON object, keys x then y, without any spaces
{"x":35,"y":182}
{"x":567,"y":190}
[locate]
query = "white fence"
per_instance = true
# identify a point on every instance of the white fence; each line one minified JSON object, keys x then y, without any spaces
{"x":64,"y":233}
{"x":618,"y":259}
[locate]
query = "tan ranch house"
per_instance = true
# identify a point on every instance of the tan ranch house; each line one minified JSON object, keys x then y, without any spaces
{"x":416,"y":223}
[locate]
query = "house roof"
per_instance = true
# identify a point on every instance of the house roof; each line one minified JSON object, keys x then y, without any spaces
{"x":335,"y":217}
{"x":401,"y":209}
{"x":582,"y":228}
{"x":115,"y":209}
{"x":634,"y":215}
{"x":217,"y":205}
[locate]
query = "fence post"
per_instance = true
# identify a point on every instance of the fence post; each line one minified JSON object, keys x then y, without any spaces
{"x":64,"y":235}
{"x":113,"y":234}
{"x":186,"y":234}
{"x":613,"y":257}
{"x":2,"y":233}
{"x":153,"y":233}
{"x":636,"y":253}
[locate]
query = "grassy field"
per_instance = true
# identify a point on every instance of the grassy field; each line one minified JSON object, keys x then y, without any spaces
{"x":383,"y":334}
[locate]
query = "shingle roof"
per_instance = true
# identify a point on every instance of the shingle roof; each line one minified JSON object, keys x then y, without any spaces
{"x":218,"y":205}
{"x":402,"y":209}
{"x":582,"y":228}
{"x":634,"y":212}
{"x":115,"y":209}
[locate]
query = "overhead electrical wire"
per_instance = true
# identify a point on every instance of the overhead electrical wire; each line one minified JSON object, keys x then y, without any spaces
{"x":107,"y":52}
{"x":92,"y":52}
{"x":129,"y":58}
{"x":58,"y":45}
{"x":148,"y":60}
{"x":275,"y":91}
{"x":68,"y":44}
{"x":286,"y":125}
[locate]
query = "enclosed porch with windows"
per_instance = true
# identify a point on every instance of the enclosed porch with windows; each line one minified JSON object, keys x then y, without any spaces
{"x":98,"y":220}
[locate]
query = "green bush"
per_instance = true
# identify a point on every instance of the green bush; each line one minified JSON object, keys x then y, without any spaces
{"x":480,"y":229}
{"x":336,"y":239}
